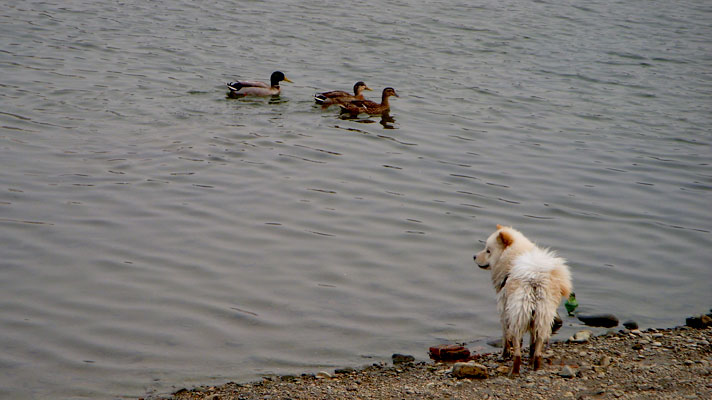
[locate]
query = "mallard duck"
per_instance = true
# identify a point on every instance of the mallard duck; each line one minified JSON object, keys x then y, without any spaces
{"x":327,"y":99}
{"x":256,"y":88}
{"x":357,"y":107}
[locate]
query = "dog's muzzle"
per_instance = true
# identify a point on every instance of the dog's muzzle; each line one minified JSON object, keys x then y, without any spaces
{"x":478,"y":264}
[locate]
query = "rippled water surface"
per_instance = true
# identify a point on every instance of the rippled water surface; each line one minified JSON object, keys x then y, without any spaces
{"x":156,"y":235}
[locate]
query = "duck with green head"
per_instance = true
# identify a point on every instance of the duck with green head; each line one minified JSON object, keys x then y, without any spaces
{"x":257,"y":88}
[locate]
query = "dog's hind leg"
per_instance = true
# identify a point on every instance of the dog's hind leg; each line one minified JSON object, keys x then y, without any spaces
{"x":537,"y":350}
{"x":532,"y":336}
{"x":516,"y":335}
{"x":540,"y":335}
{"x":517,"y":362}
{"x":531,"y":346}
{"x":506,"y":342}
{"x":507,"y":347}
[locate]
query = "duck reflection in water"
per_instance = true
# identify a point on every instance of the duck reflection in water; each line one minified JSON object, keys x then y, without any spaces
{"x":386,"y":120}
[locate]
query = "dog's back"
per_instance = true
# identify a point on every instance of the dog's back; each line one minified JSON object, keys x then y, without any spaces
{"x":537,"y":282}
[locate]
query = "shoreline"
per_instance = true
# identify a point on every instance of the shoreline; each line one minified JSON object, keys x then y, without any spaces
{"x":670,"y":363}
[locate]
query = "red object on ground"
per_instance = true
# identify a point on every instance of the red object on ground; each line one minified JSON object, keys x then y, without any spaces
{"x":449,"y":352}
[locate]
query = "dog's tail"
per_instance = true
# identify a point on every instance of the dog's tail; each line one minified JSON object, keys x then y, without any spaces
{"x":545,"y":281}
{"x":531,"y":308}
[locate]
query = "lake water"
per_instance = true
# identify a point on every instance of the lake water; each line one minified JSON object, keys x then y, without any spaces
{"x":156,"y":235}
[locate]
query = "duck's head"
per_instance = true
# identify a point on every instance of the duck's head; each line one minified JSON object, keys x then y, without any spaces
{"x":389,"y":91}
{"x":360,"y":87}
{"x":277,"y":76}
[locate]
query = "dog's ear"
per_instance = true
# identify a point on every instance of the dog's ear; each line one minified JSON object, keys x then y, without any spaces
{"x":505,"y":238}
{"x":499,"y":227}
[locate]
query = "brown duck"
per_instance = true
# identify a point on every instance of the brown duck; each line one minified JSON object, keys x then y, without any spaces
{"x":357,"y":107}
{"x":327,"y":99}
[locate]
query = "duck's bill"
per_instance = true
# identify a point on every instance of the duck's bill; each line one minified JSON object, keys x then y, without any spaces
{"x":287,"y":80}
{"x":367,"y":88}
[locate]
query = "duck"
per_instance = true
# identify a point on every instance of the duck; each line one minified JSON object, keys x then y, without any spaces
{"x":257,"y":88}
{"x":357,"y":107}
{"x":327,"y":99}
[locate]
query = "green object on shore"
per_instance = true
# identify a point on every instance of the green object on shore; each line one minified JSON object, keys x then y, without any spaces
{"x":571,"y":303}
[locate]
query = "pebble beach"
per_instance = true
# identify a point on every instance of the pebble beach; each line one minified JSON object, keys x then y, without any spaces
{"x":674,"y":363}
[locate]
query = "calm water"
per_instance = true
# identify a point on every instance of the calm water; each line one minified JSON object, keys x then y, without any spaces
{"x":155,"y":235}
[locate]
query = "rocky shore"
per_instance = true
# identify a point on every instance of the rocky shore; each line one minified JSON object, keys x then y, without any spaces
{"x":671,"y":363}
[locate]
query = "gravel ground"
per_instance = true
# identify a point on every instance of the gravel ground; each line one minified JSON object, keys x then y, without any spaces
{"x":653,"y":364}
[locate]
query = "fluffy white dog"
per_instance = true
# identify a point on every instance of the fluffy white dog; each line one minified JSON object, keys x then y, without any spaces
{"x":530,"y":283}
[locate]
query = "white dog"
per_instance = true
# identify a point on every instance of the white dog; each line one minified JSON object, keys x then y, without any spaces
{"x":530,"y":283}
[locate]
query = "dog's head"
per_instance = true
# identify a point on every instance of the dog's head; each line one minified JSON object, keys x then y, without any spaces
{"x":495,"y":245}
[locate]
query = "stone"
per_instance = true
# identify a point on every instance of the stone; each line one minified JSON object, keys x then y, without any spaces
{"x":323,"y":375}
{"x":581,"y":336}
{"x":602,"y":320}
{"x":402,"y":359}
{"x":699,"y":322}
{"x":449,"y":352}
{"x":605,"y":361}
{"x":495,"y":343}
{"x":344,"y":371}
{"x":630,"y":325}
{"x":469,"y":370}
{"x":503,"y":369}
{"x":567,"y":372}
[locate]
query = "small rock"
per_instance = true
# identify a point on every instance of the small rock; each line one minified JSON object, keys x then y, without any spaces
{"x":402,"y":359}
{"x":605,"y":361}
{"x":449,"y":352}
{"x":581,"y":336}
{"x":604,"y":320}
{"x":630,"y":325}
{"x":567,"y":372}
{"x":495,"y":343}
{"x":344,"y":371}
{"x":469,"y":370}
{"x":323,"y":375}
{"x":699,"y":322}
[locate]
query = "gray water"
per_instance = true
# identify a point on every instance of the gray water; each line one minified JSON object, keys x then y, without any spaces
{"x":156,"y":235}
